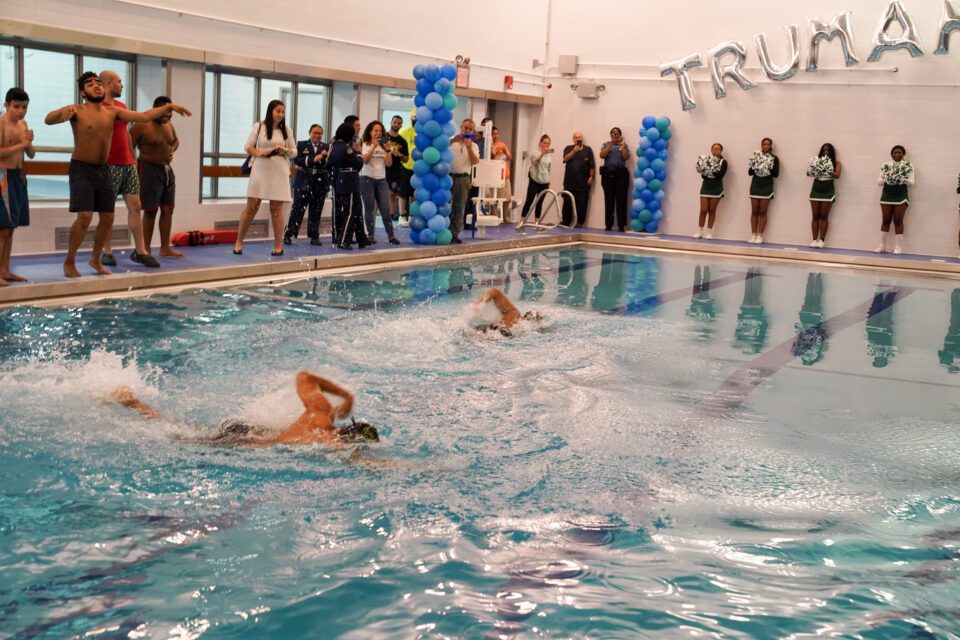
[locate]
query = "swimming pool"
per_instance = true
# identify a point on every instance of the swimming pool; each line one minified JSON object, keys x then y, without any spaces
{"x":690,"y":447}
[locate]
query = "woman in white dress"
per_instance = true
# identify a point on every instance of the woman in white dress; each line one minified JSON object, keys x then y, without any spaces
{"x":270,"y":146}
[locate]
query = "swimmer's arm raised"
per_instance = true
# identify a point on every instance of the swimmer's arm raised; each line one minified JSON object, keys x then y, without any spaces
{"x":123,"y":395}
{"x":308,"y":384}
{"x":510,"y":313}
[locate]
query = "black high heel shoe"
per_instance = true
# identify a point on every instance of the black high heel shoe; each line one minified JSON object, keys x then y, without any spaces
{"x":238,"y":252}
{"x":277,"y":254}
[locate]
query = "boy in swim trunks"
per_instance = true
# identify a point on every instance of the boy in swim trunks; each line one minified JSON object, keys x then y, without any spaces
{"x":314,"y":426}
{"x":91,"y":187}
{"x":16,"y":139}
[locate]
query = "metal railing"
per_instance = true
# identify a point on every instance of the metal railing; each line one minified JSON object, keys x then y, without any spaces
{"x":540,"y":224}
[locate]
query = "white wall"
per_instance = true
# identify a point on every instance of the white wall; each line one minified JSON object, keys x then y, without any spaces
{"x":863,"y":111}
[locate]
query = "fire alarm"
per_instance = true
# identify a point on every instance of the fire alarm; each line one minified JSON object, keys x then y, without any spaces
{"x":508,"y":82}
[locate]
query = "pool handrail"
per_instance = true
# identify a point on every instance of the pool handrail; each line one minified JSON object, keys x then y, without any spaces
{"x":543,"y":226}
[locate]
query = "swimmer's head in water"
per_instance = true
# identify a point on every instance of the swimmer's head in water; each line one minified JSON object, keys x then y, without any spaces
{"x":359,"y":431}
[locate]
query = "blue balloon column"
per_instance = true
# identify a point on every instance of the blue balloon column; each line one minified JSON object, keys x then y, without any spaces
{"x":650,"y":174}
{"x":431,"y":181}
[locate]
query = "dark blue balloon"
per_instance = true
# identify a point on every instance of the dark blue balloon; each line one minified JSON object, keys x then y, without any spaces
{"x":421,"y":141}
{"x":418,"y":127}
{"x":443,"y":115}
{"x":418,"y":100}
{"x":661,"y":175}
{"x":637,"y":190}
{"x":421,"y":195}
{"x":660,"y":144}
{"x":446,"y":182}
{"x":646,"y":195}
{"x":650,"y":153}
{"x":421,"y":168}
{"x":449,"y":72}
{"x":424,"y":86}
{"x":440,"y":197}
{"x":418,"y":71}
{"x":414,"y":236}
{"x":445,"y":209}
{"x":416,"y":154}
{"x":417,"y":223}
{"x":427,"y":237}
{"x":653,"y":205}
{"x":432,"y":73}
{"x":634,"y":213}
{"x":651,"y":227}
{"x":663,"y":154}
{"x":430,"y":182}
{"x":648,"y":121}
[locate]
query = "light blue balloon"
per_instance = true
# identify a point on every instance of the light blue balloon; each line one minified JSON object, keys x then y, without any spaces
{"x":441,"y":142}
{"x":446,"y":155}
{"x":643,"y":164}
{"x":418,"y":71}
{"x":660,"y":194}
{"x":637,"y":172}
{"x":433,"y":100}
{"x":428,"y":209}
{"x":442,"y":86}
{"x":663,"y":123}
{"x":449,"y":129}
{"x":422,"y":196}
{"x":641,"y":183}
{"x":636,"y":192}
{"x":418,"y":223}
{"x":437,"y":224}
{"x":663,"y":154}
{"x":424,"y":115}
{"x":416,"y":154}
{"x":649,"y":174}
{"x":427,"y":237}
{"x":420,"y":167}
{"x":645,"y":143}
{"x":653,"y":134}
{"x":656,"y":164}
{"x":432,"y":129}
{"x":649,"y":122}
{"x":416,"y":181}
{"x":444,"y":210}
{"x":449,"y":72}
{"x":430,"y":182}
{"x":441,"y":168}
{"x":658,"y":216}
{"x":431,"y":73}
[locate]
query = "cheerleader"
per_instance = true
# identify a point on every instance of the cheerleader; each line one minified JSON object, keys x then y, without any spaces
{"x":764,"y":167}
{"x":712,"y":168}
{"x":895,"y":178}
{"x":824,"y":169}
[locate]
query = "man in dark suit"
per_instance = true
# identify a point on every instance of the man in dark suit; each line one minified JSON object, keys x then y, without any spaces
{"x":310,"y":186}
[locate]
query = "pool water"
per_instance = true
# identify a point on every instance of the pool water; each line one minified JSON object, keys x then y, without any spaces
{"x":686,"y":447}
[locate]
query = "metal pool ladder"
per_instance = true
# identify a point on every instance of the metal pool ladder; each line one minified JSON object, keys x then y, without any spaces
{"x":557,"y":204}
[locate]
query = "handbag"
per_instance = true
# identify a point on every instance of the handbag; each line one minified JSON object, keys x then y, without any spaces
{"x":247,"y":165}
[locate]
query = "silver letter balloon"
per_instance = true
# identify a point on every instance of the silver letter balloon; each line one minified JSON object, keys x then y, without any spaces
{"x":719,"y":72}
{"x":950,"y":21}
{"x":841,"y":26}
{"x":681,"y":69}
{"x":792,"y":66}
{"x":907,"y":40}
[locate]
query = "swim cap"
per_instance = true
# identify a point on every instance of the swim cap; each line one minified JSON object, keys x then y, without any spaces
{"x":359,"y":431}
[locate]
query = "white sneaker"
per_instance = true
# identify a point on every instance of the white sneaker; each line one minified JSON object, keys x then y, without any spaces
{"x":879,"y":249}
{"x":404,"y":222}
{"x":753,"y":238}
{"x":759,"y":239}
{"x":897,"y":250}
{"x":708,"y":236}
{"x":820,"y":243}
{"x":814,"y":244}
{"x":697,"y":235}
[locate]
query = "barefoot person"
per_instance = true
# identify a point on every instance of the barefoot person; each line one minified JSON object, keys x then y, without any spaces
{"x":123,"y":171}
{"x":314,"y":426}
{"x":157,"y":142}
{"x":16,"y":139}
{"x":91,"y":188}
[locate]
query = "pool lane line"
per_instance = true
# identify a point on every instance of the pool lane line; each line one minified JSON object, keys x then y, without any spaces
{"x":852,"y":374}
{"x":649,"y":302}
{"x":741,"y":383}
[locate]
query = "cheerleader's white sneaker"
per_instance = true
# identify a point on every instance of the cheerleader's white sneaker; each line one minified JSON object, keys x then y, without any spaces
{"x":879,"y":249}
{"x":697,"y":235}
{"x":759,"y":239}
{"x":814,"y":244}
{"x":897,"y":250}
{"x":820,"y":243}
{"x":708,"y":235}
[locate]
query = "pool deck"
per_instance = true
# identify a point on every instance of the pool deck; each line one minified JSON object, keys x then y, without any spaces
{"x":217,"y":264}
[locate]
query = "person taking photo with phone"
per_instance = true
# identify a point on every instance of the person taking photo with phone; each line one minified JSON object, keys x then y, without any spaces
{"x":541,"y":160}
{"x":465,"y":155}
{"x":377,"y":158}
{"x":577,"y":179}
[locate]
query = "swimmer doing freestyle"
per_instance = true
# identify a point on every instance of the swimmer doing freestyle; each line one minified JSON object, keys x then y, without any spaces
{"x":510,"y":315}
{"x":314,"y":426}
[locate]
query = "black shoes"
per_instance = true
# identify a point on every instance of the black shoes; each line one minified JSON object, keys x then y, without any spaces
{"x":287,"y":240}
{"x":108,"y":260}
{"x":456,"y":240}
{"x":345,"y":247}
{"x":316,"y":242}
{"x":393,"y":240}
{"x":145,"y":259}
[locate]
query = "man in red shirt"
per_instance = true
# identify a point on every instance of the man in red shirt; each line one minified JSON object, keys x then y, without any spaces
{"x":123,"y":170}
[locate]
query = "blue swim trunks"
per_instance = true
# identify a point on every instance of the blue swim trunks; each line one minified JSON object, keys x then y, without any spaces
{"x":14,"y":206}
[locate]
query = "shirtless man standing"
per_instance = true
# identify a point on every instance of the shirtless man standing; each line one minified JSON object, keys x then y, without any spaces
{"x":314,"y":426}
{"x":91,"y":188}
{"x":16,"y":138}
{"x":157,"y":142}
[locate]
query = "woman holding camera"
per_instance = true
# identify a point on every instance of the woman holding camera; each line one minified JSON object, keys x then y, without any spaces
{"x":270,"y":146}
{"x":373,"y":180}
{"x":615,"y":179}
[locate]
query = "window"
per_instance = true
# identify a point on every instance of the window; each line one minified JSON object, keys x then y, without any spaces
{"x":233,"y":103}
{"x":49,"y":76}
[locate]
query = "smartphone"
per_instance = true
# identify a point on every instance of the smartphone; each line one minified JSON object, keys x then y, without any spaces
{"x":549,"y":150}
{"x":383,"y":139}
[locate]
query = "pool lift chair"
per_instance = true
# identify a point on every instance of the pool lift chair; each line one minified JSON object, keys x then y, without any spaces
{"x":556,"y":203}
{"x":488,"y":176}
